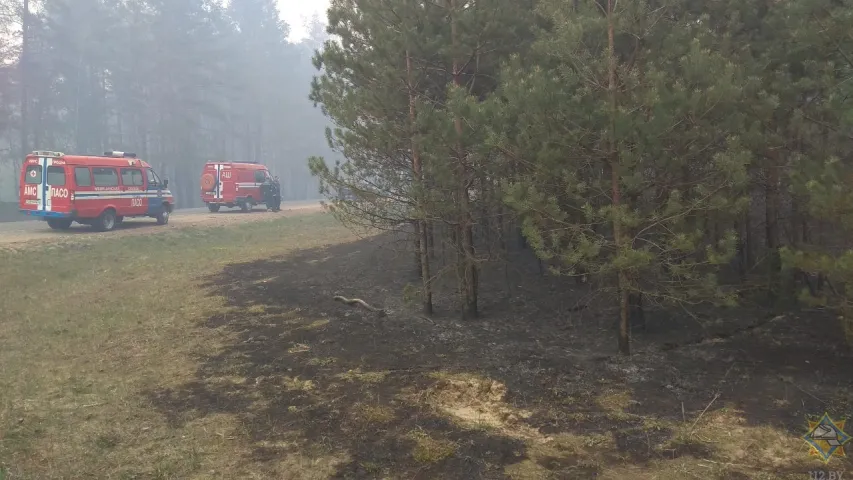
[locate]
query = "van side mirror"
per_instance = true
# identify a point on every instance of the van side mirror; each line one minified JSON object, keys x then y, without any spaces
{"x":165,"y":183}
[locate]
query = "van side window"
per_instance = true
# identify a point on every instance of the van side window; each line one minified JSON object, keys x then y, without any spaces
{"x":259,"y":176}
{"x":153,"y":179}
{"x":82,"y":177}
{"x":56,"y":176}
{"x":131,"y":177}
{"x":33,"y":174}
{"x":105,"y":177}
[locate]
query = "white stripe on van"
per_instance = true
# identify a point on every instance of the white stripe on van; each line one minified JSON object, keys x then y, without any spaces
{"x":217,"y":192}
{"x":120,"y":194}
{"x":40,"y":189}
{"x":47,"y":162}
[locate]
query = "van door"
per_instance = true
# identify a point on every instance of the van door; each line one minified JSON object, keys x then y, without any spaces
{"x":224,"y":192}
{"x":211,"y":185}
{"x":85,"y":196}
{"x":260,"y":178}
{"x":32,"y":197}
{"x":45,"y":186}
{"x":57,"y":193}
{"x":153,"y":192}
{"x":217,"y":187}
{"x":133,"y":188}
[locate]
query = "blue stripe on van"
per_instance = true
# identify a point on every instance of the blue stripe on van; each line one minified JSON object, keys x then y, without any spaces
{"x":45,"y":214}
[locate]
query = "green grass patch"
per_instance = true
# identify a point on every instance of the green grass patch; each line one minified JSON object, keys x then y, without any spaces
{"x":88,"y":326}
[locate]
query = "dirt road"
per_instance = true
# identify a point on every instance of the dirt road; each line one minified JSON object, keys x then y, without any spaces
{"x":17,"y":234}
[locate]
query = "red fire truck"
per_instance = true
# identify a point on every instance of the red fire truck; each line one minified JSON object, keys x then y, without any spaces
{"x":92,"y":190}
{"x":233,"y":184}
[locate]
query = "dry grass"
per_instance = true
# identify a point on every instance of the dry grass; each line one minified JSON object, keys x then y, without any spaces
{"x":88,"y":326}
{"x":428,"y":449}
{"x":372,"y":415}
{"x":90,"y":329}
{"x":722,"y":445}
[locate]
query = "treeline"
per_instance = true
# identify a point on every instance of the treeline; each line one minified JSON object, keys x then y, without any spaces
{"x":179,"y":82}
{"x":676,"y":152}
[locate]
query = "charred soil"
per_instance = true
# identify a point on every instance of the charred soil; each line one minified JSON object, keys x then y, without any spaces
{"x":532,"y":389}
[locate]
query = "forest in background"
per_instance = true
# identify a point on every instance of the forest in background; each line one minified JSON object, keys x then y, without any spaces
{"x":674,"y":152}
{"x":178,"y":82}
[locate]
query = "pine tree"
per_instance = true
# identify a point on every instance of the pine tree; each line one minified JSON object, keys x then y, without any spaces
{"x":367,"y":87}
{"x":469,"y":40}
{"x":628,"y":145}
{"x":401,"y":85}
{"x":810,"y":83}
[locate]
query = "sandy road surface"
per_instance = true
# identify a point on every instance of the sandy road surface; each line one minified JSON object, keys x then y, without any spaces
{"x":18,"y":234}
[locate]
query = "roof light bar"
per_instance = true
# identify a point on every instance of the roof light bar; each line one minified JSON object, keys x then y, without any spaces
{"x":118,"y":154}
{"x":47,"y":153}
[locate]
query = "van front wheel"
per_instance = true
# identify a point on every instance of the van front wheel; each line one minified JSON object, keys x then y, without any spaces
{"x":163,"y":216}
{"x":59,"y":223}
{"x":106,"y":222}
{"x":213,"y":207}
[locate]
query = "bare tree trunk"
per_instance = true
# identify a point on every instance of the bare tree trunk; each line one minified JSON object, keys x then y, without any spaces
{"x":421,"y":237}
{"x":622,"y":285}
{"x":748,"y":257}
{"x":771,"y":213}
{"x":465,"y":239}
{"x":740,"y":250}
{"x":416,"y":226}
{"x":430,"y":239}
{"x":485,"y":213}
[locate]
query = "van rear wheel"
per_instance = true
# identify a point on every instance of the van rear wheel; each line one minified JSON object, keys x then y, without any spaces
{"x":59,"y":223}
{"x":106,"y":222}
{"x":245,"y":206}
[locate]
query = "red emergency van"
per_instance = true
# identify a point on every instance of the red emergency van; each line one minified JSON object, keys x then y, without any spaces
{"x":233,"y":184}
{"x":92,"y":190}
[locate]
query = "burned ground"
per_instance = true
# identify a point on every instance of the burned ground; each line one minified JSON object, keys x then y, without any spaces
{"x":530,"y":390}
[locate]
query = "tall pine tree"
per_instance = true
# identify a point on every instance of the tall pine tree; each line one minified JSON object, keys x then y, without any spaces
{"x":626,"y":147}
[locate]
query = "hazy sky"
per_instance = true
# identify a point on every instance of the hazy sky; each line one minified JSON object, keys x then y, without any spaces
{"x":297,"y":12}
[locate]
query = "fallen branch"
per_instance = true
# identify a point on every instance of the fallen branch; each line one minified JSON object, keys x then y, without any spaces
{"x":703,"y":411}
{"x":716,"y":396}
{"x":721,"y":335}
{"x":359,"y":302}
{"x":791,"y":382}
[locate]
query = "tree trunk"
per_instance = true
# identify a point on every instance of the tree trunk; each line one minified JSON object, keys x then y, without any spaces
{"x":622,"y":276}
{"x":465,"y":239}
{"x":422,"y":243}
{"x":740,"y":250}
{"x":748,"y":238}
{"x":430,"y":239}
{"x":416,"y":225}
{"x":485,"y":214}
{"x":771,"y":216}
